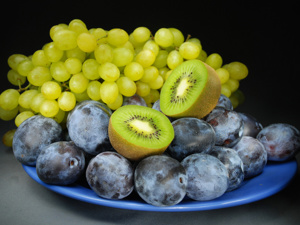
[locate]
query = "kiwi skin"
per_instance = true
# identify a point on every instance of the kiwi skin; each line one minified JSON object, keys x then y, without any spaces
{"x":130,"y":150}
{"x":208,"y":98}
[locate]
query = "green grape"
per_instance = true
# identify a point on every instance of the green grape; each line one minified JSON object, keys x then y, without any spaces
{"x":66,"y":101}
{"x":7,"y":138}
{"x":164,"y":37}
{"x":73,"y":65}
{"x":81,"y":96}
{"x":129,"y":46}
{"x":174,"y":59}
{"x":100,"y":35}
{"x":22,"y":117}
{"x":141,"y":34}
{"x":234,"y":101}
{"x":103,"y":53}
{"x":237,"y":70}
{"x":25,"y":67}
{"x":150,"y":74}
{"x":49,"y":108}
{"x":145,"y":57}
{"x":78,"y":83}
{"x":39,"y":58}
{"x":117,"y":103}
{"x":157,"y":83}
{"x":167,"y":74}
{"x":142,"y":89}
{"x":152,"y":97}
{"x":9,"y":99}
{"x":86,"y":42}
{"x":214,"y":60}
{"x":122,"y":56}
{"x":225,"y":90}
{"x":195,"y":41}
{"x":15,"y":78}
{"x":90,"y":69}
{"x":202,"y":56}
{"x":233,"y":84}
{"x":178,"y":36}
{"x":78,"y":26}
{"x":161,"y":59}
{"x":126,"y":86}
{"x":223,"y":74}
{"x":189,"y":50}
{"x":39,"y":75}
{"x":26,"y":98}
{"x":93,"y":90}
{"x":36,"y":102}
{"x":239,"y":95}
{"x":59,"y":71}
{"x":60,"y":116}
{"x":52,"y":52}
{"x":7,"y":115}
{"x":14,"y":60}
{"x":109,"y":72}
{"x":163,"y":71}
{"x":56,"y":28}
{"x":117,"y":37}
{"x":51,"y":90}
{"x":153,"y":46}
{"x":109,"y":92}
{"x":76,"y":53}
{"x":134,"y":71}
{"x":65,"y":39}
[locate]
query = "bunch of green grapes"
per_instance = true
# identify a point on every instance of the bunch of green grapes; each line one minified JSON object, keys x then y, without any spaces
{"x":103,"y":65}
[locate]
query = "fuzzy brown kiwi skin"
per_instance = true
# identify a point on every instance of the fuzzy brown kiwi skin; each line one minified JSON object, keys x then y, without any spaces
{"x":207,"y":100}
{"x":129,"y":150}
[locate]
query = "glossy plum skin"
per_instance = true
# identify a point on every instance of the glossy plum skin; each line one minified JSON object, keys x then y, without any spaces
{"x":192,"y":135}
{"x":228,"y":126}
{"x":32,"y":136}
{"x":224,"y":102}
{"x":87,"y":125}
{"x":60,"y":163}
{"x":160,"y":180}
{"x":207,"y":177}
{"x":134,"y":100}
{"x":251,"y":125}
{"x":110,"y":175}
{"x":281,"y":141}
{"x":253,"y":155}
{"x":233,"y":164}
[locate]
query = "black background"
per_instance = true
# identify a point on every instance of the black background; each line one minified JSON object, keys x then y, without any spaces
{"x":263,"y":36}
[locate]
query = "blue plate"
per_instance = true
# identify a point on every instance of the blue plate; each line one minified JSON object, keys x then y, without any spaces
{"x":274,"y":178}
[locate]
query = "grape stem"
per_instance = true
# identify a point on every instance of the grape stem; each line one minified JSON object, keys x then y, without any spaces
{"x":24,"y":88}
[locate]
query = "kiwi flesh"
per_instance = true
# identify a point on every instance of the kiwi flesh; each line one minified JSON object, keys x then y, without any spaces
{"x":192,"y":90}
{"x":139,"y":131}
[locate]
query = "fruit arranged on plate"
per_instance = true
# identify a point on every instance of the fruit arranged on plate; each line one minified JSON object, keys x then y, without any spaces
{"x":144,"y":113}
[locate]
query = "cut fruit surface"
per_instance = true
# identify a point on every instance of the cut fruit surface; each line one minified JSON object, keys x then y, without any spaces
{"x":138,"y":131}
{"x":192,"y":89}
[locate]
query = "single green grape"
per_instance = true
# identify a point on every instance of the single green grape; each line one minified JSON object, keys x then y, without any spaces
{"x":25,"y":67}
{"x":76,"y":53}
{"x":65,"y":39}
{"x":81,"y":96}
{"x":86,"y":42}
{"x":164,"y":37}
{"x":90,"y":69}
{"x":14,"y":60}
{"x":49,"y":108}
{"x":51,"y":90}
{"x":157,"y":83}
{"x":7,"y":115}
{"x":7,"y":138}
{"x":100,"y":35}
{"x":145,"y":57}
{"x":126,"y":86}
{"x":134,"y":71}
{"x":202,"y":56}
{"x":233,"y":84}
{"x":225,"y":90}
{"x":237,"y":70}
{"x":66,"y":101}
{"x":141,"y":34}
{"x":52,"y":52}
{"x":9,"y":99}
{"x":117,"y":103}
{"x":214,"y":60}
{"x":22,"y":117}
{"x":15,"y":78}
{"x":39,"y":58}
{"x":189,"y":50}
{"x":78,"y":83}
{"x":78,"y":26}
{"x":122,"y":56}
{"x":178,"y":36}
{"x":59,"y":71}
{"x":109,"y":92}
{"x":39,"y":75}
{"x":163,"y":71}
{"x":142,"y":89}
{"x":174,"y":59}
{"x":93,"y":90}
{"x":73,"y":65}
{"x":150,"y":74}
{"x":161,"y":59}
{"x":109,"y":72}
{"x":60,"y":116}
{"x":26,"y":98}
{"x":36,"y":102}
{"x":117,"y":37}
{"x":56,"y":28}
{"x":223,"y":74}
{"x":152,"y":45}
{"x":103,"y":53}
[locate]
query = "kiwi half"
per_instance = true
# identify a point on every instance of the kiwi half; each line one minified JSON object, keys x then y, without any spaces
{"x":192,"y":89}
{"x":138,"y":131}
